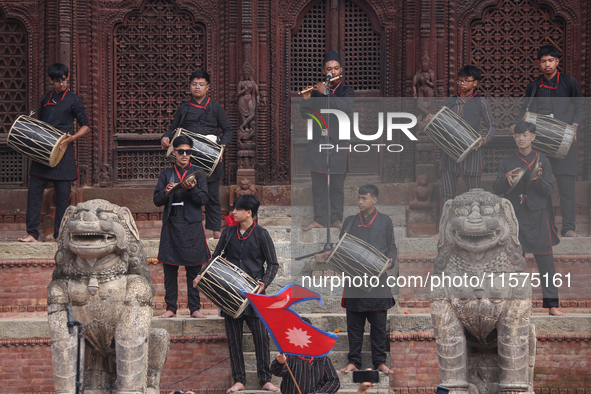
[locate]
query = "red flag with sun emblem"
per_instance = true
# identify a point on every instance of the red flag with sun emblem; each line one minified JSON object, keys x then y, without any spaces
{"x":290,"y":333}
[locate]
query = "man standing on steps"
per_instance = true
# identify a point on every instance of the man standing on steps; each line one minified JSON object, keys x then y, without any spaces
{"x":558,"y":95}
{"x":376,"y":229}
{"x":336,"y":95}
{"x":250,"y":247}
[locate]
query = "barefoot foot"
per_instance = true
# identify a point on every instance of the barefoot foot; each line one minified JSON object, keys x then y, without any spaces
{"x":350,"y":367}
{"x":383,"y":368}
{"x":237,"y":387}
{"x":167,"y":314}
{"x":270,"y":387}
{"x":198,"y":315}
{"x":28,"y":238}
{"x":555,"y":312}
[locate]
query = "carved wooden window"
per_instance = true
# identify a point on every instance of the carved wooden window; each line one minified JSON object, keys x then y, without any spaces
{"x":359,"y":43}
{"x":156,"y":50}
{"x":350,"y":29}
{"x":14,"y":96}
{"x":504,"y":43}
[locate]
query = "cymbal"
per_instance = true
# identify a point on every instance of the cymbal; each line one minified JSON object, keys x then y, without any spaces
{"x":190,"y":178}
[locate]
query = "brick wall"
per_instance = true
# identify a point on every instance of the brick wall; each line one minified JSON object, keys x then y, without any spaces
{"x":24,"y":286}
{"x":563,"y":362}
{"x":25,"y":365}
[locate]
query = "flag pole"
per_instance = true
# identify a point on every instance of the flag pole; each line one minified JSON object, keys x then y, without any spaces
{"x":294,"y":381}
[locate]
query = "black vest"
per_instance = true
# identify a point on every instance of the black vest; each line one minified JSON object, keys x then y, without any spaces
{"x":246,"y":254}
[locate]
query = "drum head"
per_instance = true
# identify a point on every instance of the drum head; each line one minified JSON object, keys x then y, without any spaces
{"x":170,"y":147}
{"x":56,"y":153}
{"x":452,"y":134}
{"x":469,"y":150}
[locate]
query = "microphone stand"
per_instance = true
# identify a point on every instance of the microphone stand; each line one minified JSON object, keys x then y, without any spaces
{"x":71,"y":324}
{"x":328,"y":244}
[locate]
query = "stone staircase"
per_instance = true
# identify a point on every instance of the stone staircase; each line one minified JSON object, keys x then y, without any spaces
{"x":338,"y":355}
{"x":26,"y":270}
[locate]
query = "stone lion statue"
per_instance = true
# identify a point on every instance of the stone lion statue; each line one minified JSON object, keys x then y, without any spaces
{"x":102,"y":273}
{"x":485,"y":341}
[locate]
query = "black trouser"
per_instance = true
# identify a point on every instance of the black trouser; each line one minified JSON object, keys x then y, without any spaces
{"x":37,"y":186}
{"x":566,"y":191}
{"x":337,"y":196}
{"x":261,"y":348}
{"x":172,"y":289}
{"x":378,"y":335}
{"x":213,"y":207}
{"x":546,"y":267}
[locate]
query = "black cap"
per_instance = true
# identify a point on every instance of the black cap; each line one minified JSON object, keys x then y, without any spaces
{"x":332,"y":56}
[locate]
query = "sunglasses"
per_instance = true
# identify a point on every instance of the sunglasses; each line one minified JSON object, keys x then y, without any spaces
{"x":182,"y":152}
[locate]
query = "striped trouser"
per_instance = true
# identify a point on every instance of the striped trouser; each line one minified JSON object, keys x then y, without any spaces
{"x":449,"y":181}
{"x":261,"y":348}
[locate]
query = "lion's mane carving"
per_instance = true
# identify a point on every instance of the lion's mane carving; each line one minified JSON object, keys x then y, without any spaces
{"x":485,"y":341}
{"x":102,"y":273}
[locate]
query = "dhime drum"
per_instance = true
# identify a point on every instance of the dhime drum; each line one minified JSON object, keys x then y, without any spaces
{"x":206,"y":153}
{"x":36,"y":139}
{"x":356,"y":257}
{"x":452,"y":134}
{"x":223,"y":283}
{"x":553,"y":137}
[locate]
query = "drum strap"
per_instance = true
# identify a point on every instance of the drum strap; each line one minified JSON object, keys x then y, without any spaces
{"x":348,"y":228}
{"x":39,"y":105}
{"x":533,"y":94}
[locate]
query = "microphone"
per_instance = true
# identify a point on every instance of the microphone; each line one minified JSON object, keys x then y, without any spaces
{"x":328,"y":77}
{"x":70,"y":320}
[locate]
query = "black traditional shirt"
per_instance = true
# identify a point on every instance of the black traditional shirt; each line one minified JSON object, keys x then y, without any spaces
{"x":205,"y":118}
{"x":537,"y":233}
{"x":340,"y":96}
{"x":60,"y":110}
{"x":550,"y":98}
{"x":249,"y":252}
{"x":473,"y":110}
{"x":313,"y":375}
{"x":377,"y":231}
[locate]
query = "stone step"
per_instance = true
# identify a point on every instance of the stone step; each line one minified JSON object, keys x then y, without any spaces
{"x":406,"y":247}
{"x":297,"y":216}
{"x":345,"y":378}
{"x":36,"y":327}
{"x":337,"y":357}
{"x":343,"y":391}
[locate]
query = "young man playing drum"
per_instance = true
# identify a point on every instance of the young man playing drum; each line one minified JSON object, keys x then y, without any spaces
{"x":376,"y":229}
{"x":473,"y":108}
{"x":204,"y":116}
{"x":250,"y":247}
{"x":59,"y":108}
{"x":545,"y":92}
{"x":339,"y":96}
{"x":536,"y":231}
{"x":182,"y":239}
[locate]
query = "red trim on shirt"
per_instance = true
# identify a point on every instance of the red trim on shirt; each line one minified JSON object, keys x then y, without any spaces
{"x":179,"y":175}
{"x":550,"y":87}
{"x":251,"y":230}
{"x":525,"y":161}
{"x":370,"y":221}
{"x":335,"y":88}
{"x":200,"y":106}
{"x":63,"y":95}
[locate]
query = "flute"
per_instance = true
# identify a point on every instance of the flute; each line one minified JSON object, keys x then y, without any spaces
{"x":312,"y":88}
